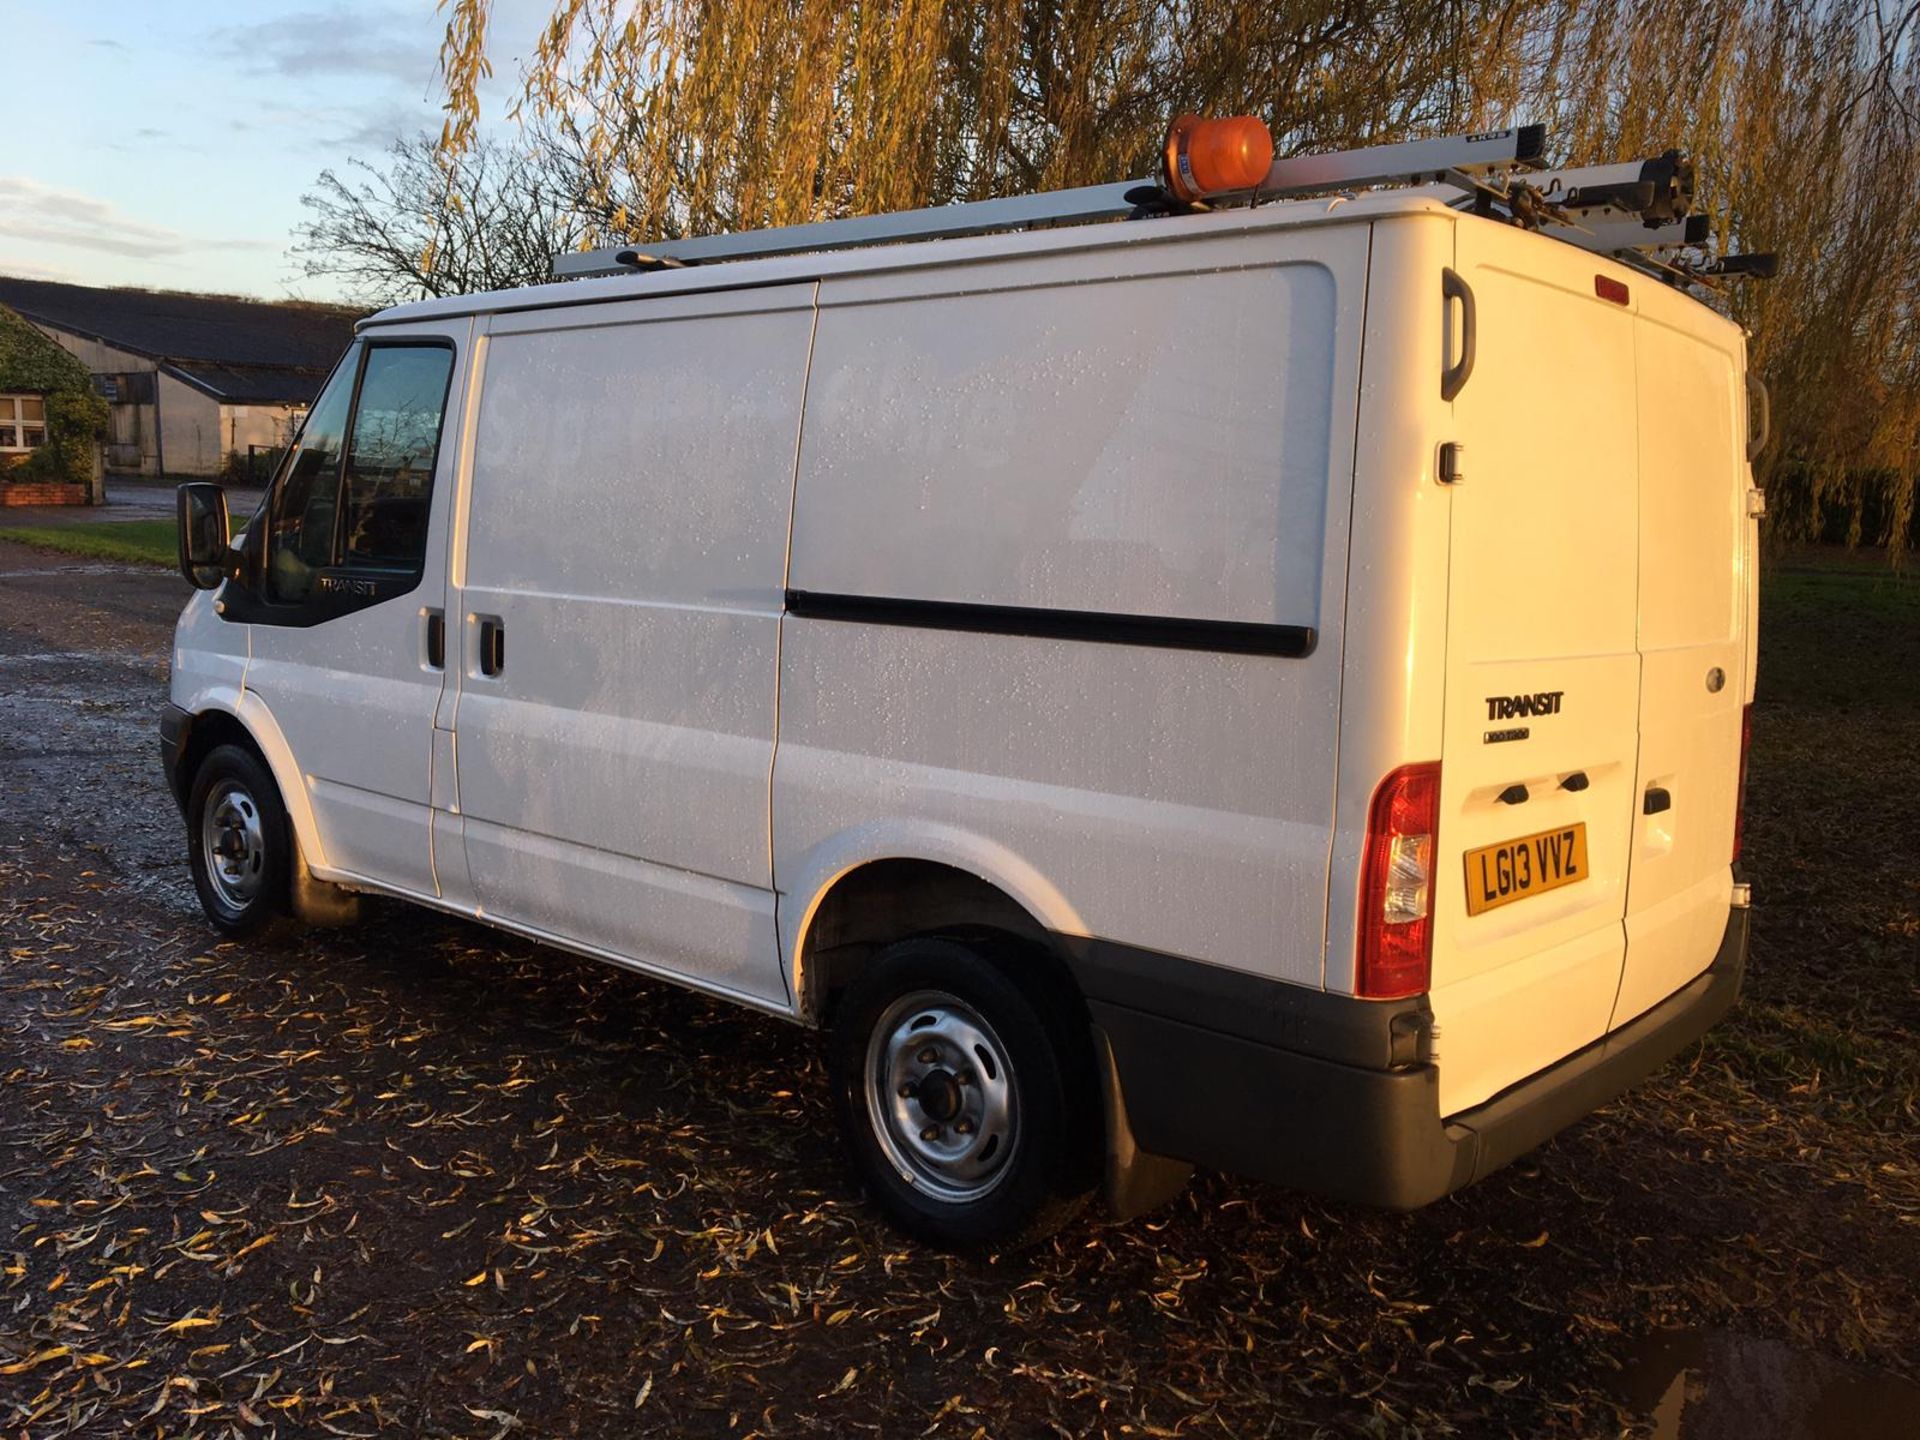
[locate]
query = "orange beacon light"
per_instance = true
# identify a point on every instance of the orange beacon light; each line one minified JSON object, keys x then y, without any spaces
{"x":1215,"y":157}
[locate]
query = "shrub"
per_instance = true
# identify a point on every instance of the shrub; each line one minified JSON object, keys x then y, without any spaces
{"x":76,"y":416}
{"x":76,"y":423}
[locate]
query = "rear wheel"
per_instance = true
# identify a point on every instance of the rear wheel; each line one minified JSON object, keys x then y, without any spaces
{"x":962,"y":1085}
{"x":239,"y":843}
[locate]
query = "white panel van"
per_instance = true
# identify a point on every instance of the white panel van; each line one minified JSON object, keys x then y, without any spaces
{"x":1263,"y":689}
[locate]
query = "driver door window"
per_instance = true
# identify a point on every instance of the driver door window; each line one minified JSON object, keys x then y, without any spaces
{"x":300,"y":522}
{"x":389,"y":477}
{"x":368,"y":515}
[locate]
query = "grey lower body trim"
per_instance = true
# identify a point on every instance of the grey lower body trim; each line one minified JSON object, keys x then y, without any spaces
{"x":1376,"y":1135}
{"x":175,"y":727}
{"x":1370,"y":1034}
{"x":1133,"y":1180}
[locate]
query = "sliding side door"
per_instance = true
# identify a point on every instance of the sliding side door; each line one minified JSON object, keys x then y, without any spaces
{"x":620,"y":616}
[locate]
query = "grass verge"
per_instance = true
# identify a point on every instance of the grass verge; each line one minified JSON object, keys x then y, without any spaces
{"x":136,"y":542}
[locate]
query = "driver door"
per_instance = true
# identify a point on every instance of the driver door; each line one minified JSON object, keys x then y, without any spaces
{"x":347,"y":593}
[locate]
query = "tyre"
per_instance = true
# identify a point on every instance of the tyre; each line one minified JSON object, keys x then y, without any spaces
{"x":238,"y":842}
{"x":963,"y":1083}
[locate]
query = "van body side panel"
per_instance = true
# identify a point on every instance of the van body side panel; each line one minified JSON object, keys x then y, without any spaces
{"x":1147,"y":431}
{"x":1693,"y":612}
{"x":1542,"y":669}
{"x":628,"y":528}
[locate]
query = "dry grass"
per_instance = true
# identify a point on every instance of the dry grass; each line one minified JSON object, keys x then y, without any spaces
{"x":417,"y":1179}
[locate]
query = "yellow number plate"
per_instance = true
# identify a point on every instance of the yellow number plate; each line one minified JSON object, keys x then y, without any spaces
{"x":1532,"y":865}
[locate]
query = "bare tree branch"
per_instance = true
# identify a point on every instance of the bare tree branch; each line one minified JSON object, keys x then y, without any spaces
{"x":407,"y":228}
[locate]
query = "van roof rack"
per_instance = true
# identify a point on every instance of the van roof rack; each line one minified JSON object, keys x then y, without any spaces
{"x":1639,"y":211}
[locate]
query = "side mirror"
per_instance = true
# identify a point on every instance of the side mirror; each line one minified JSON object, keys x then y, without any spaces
{"x":205,"y":535}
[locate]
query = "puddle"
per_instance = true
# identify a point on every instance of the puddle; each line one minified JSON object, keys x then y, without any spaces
{"x":1716,"y":1385}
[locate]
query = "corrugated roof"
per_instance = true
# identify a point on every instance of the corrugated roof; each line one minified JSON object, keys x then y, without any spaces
{"x":245,"y":351}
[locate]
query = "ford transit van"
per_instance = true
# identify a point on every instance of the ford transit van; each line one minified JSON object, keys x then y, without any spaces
{"x":1263,"y":689}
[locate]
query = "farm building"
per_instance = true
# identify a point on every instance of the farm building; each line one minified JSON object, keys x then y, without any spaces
{"x":188,"y":379}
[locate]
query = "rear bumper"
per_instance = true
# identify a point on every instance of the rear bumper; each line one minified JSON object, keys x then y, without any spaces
{"x":1375,"y":1135}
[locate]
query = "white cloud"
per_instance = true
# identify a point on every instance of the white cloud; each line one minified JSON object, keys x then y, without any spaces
{"x":30,"y":270}
{"x":45,"y":214}
{"x":338,"y":40}
{"x":362,"y":75}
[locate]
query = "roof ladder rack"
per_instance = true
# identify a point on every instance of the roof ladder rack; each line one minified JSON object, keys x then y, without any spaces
{"x":1417,"y":160}
{"x":1522,"y":147}
{"x":1637,"y":210}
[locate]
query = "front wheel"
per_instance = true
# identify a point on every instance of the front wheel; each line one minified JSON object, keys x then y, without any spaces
{"x":239,"y":843}
{"x":961,"y":1081}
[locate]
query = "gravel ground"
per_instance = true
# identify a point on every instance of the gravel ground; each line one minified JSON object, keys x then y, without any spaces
{"x":419,"y":1179}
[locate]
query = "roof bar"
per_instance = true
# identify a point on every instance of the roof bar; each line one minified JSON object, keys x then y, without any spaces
{"x":974,"y":217}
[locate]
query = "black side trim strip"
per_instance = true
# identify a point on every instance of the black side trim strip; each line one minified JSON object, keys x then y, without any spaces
{"x":1234,"y":637}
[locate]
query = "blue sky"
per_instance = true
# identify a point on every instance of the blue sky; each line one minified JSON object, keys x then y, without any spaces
{"x":166,"y":143}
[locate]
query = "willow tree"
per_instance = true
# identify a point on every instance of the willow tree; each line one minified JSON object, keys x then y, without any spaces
{"x":1804,"y":122}
{"x":699,"y":114}
{"x":681,"y":116}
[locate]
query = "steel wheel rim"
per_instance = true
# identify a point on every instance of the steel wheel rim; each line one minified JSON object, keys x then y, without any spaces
{"x":233,"y":844}
{"x":941,"y":1096}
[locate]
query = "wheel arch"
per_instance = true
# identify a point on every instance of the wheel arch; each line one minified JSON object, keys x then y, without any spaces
{"x":873,"y":886}
{"x":861,"y":907}
{"x":242,"y":718}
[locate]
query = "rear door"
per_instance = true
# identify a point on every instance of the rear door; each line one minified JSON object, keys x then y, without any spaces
{"x":1692,"y":602}
{"x":1542,"y":688}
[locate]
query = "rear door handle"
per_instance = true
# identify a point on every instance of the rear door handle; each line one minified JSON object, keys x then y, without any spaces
{"x":436,"y":640}
{"x":1453,"y":378}
{"x":1657,"y":800}
{"x":493,"y":645}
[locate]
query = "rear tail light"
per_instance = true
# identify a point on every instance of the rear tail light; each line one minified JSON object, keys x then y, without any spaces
{"x":1740,"y":795}
{"x":1215,"y":157}
{"x":1395,"y":951}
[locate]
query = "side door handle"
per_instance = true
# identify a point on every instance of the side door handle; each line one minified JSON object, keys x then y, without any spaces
{"x":436,"y":640}
{"x":493,"y":645}
{"x":1657,"y":800}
